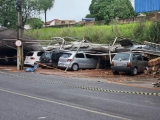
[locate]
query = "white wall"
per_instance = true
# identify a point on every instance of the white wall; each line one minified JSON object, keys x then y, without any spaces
{"x":27,"y":27}
{"x":52,"y":23}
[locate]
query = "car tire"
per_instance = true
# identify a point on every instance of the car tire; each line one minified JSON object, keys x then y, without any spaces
{"x":115,"y":72}
{"x":134,"y":71}
{"x":75,"y":67}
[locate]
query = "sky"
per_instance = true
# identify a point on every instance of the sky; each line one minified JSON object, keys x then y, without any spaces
{"x":68,"y":10}
{"x":132,"y":1}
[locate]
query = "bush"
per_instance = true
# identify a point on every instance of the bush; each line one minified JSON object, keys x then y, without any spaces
{"x":154,"y":32}
{"x":144,"y":31}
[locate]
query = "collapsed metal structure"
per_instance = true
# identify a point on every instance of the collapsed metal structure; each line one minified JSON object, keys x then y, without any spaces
{"x":8,"y":38}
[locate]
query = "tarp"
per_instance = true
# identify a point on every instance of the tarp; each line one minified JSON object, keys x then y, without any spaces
{"x":32,"y":69}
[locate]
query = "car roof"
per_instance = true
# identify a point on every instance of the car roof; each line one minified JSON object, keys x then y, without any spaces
{"x":130,"y":52}
{"x":72,"y":52}
{"x":35,"y":51}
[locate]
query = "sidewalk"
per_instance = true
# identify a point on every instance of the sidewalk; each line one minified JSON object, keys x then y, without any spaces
{"x":140,"y":80}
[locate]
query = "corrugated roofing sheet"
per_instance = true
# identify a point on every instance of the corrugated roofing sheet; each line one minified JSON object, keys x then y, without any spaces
{"x":6,"y":33}
{"x":146,"y":5}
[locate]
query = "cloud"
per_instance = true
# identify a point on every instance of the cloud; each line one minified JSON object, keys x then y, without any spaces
{"x":68,"y":10}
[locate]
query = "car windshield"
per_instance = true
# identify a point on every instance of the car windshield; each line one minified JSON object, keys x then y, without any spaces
{"x":122,"y":56}
{"x":48,"y":55}
{"x":66,"y":55}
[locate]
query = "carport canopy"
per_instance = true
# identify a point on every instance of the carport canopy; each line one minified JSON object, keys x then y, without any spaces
{"x":8,"y":38}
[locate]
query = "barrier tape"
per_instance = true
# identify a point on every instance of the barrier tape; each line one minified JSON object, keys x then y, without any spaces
{"x":84,"y":87}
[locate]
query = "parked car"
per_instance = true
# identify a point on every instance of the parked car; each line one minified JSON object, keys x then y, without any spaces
{"x":32,"y":57}
{"x":81,"y":60}
{"x":129,"y":62}
{"x":50,"y":58}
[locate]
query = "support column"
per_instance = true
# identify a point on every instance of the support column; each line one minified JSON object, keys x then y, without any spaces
{"x":19,"y":36}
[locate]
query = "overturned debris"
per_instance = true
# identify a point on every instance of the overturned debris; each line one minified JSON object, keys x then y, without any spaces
{"x":157,"y":84}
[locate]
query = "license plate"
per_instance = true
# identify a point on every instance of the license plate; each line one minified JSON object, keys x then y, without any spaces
{"x":120,"y":65}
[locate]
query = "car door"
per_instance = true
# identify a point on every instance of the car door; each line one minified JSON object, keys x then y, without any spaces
{"x":81,"y":60}
{"x":45,"y":57}
{"x":91,"y":61}
{"x":39,"y":55}
{"x":55,"y":59}
{"x":139,"y":62}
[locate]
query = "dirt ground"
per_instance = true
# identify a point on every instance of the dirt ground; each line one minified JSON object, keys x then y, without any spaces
{"x":102,"y":74}
{"x":105,"y":74}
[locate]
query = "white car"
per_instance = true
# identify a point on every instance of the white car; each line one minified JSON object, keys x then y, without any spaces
{"x":32,"y":57}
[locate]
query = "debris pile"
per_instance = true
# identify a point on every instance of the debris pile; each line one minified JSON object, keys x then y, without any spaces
{"x":155,"y":66}
{"x":154,"y":69}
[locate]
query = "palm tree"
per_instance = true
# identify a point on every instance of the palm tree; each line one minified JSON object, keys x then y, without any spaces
{"x":46,"y":5}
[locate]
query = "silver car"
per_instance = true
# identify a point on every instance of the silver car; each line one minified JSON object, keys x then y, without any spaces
{"x":81,"y":60}
{"x":129,"y":62}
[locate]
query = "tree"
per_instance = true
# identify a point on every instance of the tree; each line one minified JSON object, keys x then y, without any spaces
{"x":8,"y":16}
{"x":88,"y":16}
{"x":46,"y":5}
{"x":30,"y":8}
{"x":35,"y":23}
{"x":110,"y":9}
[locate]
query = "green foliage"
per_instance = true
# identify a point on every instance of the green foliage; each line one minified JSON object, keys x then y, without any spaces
{"x":139,"y":32}
{"x":46,"y":5}
{"x":154,"y":32}
{"x":88,"y":16}
{"x":35,"y":23}
{"x":109,"y":9}
{"x":30,"y":8}
{"x":8,"y":16}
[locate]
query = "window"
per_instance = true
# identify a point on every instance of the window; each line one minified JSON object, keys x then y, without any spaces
{"x":30,"y":54}
{"x":58,"y":55}
{"x":66,"y":55}
{"x":48,"y":55}
{"x":122,"y":56}
{"x":43,"y":55}
{"x":137,"y":56}
{"x":39,"y":53}
{"x":89,"y":56}
{"x":145,"y":58}
{"x":80,"y":55}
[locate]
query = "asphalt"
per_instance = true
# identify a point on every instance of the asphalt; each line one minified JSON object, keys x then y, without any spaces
{"x":141,"y":81}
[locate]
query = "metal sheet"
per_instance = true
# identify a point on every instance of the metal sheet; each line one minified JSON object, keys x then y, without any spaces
{"x":146,"y":5}
{"x":8,"y":38}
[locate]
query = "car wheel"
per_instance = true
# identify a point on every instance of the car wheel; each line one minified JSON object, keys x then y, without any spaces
{"x":75,"y":67}
{"x":115,"y":72}
{"x":134,"y":71}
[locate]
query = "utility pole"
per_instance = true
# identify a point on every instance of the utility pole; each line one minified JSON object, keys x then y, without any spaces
{"x":19,"y":36}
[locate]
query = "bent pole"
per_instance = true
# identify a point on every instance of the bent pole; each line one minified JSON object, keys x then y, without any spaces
{"x":74,"y":55}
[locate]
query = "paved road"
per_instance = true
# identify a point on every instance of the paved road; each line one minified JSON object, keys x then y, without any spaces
{"x":29,"y":96}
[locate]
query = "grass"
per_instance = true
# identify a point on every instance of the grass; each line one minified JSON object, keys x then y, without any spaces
{"x":99,"y":34}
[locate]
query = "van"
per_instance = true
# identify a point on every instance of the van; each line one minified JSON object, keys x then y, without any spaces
{"x":129,"y":62}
